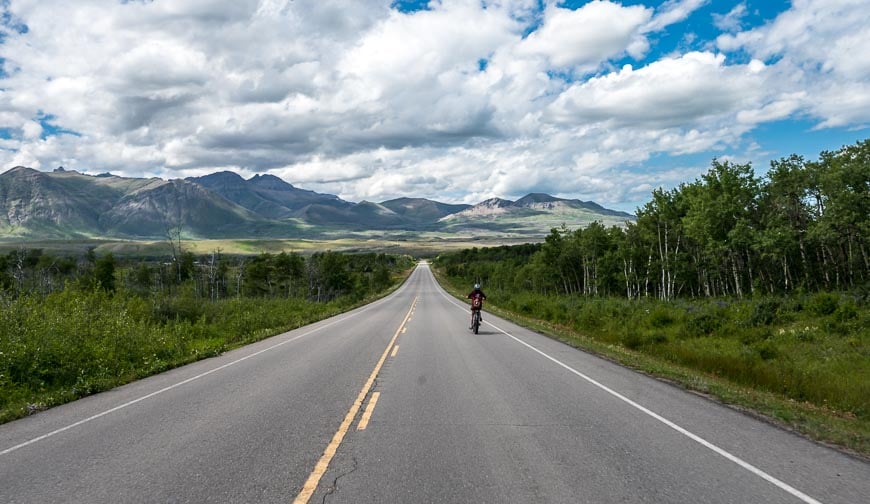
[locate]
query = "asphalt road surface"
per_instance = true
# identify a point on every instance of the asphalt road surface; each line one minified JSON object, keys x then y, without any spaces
{"x":399,"y":402}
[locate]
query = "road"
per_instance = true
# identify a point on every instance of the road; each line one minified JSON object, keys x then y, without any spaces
{"x":398,"y":402}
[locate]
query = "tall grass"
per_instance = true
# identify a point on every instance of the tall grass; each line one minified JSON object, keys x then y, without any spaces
{"x":75,"y":342}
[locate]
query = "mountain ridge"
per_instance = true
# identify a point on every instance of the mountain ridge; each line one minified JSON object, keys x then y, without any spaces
{"x":66,"y":204}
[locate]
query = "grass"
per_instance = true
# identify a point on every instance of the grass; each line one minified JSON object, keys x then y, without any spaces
{"x":73,"y":343}
{"x":420,"y":245}
{"x":803,"y":364}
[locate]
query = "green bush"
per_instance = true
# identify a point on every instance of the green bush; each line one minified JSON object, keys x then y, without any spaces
{"x":661,"y":317}
{"x":633,"y":340}
{"x":846,"y":311}
{"x":765,"y":312}
{"x":704,"y":324}
{"x":766,"y":350}
{"x":823,"y":303}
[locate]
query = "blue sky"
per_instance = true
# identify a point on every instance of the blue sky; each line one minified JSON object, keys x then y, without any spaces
{"x":453,"y":100}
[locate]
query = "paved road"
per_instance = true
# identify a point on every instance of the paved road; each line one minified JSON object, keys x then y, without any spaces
{"x":399,"y":402}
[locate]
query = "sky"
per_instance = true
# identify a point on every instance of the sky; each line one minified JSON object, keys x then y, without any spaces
{"x":452,"y":100}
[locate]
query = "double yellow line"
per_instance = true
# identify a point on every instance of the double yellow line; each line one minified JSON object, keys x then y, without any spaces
{"x":320,"y":468}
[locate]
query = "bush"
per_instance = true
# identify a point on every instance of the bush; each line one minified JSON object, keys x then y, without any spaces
{"x":846,"y":311}
{"x":766,"y":350}
{"x":704,"y":324}
{"x":633,"y":340}
{"x":661,"y":317}
{"x":823,"y":303}
{"x":765,"y":313}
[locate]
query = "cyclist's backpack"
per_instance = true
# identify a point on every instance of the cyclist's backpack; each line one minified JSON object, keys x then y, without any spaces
{"x":476,"y":301}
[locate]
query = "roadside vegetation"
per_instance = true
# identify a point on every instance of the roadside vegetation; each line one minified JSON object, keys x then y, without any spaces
{"x":754,"y":290}
{"x":72,"y":326}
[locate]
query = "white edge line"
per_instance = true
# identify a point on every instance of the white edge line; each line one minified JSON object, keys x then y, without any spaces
{"x":733,"y":458}
{"x":183,"y":382}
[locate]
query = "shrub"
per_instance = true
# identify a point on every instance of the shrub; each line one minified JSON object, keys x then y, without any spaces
{"x":661,"y":317}
{"x":658,"y":338}
{"x":754,"y":335}
{"x":823,"y":303}
{"x":766,"y":350}
{"x":765,"y":313}
{"x":704,"y":324}
{"x":846,"y":311}
{"x":631,"y":337}
{"x":589,"y":316}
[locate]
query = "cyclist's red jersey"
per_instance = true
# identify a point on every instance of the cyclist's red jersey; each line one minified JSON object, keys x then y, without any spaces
{"x":476,"y":297}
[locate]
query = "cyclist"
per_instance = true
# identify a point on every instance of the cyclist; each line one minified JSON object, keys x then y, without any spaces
{"x":476,"y":296}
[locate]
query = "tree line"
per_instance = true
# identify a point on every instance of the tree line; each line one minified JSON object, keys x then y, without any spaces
{"x":803,"y":226}
{"x":320,"y":277}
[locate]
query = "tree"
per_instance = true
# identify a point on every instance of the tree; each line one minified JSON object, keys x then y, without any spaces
{"x":141,"y":278}
{"x":844,"y":187}
{"x":104,"y":273}
{"x":216,"y":269}
{"x":289,"y":270}
{"x":661,"y":220}
{"x":785,"y":218}
{"x":720,"y":219}
{"x":258,"y":277}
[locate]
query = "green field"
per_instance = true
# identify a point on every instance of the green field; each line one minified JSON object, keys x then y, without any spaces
{"x":416,"y":244}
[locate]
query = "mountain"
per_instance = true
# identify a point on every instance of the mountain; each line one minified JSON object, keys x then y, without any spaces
{"x":532,"y":214}
{"x":537,"y":200}
{"x":541,"y":201}
{"x":486,"y":208}
{"x":265,"y":195}
{"x":234,"y":188}
{"x":363,"y":216}
{"x":67,"y":204}
{"x":422,"y":210}
{"x":28,"y":198}
{"x":70,"y":205}
{"x":154,"y":209}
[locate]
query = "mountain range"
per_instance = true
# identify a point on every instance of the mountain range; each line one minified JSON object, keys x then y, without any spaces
{"x":65,"y":204}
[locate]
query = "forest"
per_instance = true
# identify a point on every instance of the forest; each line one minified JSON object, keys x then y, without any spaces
{"x":754,"y":288}
{"x":74,"y":325}
{"x":803,"y":227}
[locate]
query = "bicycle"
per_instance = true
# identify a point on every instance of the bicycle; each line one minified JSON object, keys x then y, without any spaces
{"x":475,"y":321}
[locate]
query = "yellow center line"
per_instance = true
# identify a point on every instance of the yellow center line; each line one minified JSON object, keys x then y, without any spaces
{"x":404,"y":330}
{"x":320,"y":468}
{"x":367,"y":414}
{"x":395,"y":351}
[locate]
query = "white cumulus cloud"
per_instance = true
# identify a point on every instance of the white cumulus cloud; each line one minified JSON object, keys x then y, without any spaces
{"x":460,"y":101}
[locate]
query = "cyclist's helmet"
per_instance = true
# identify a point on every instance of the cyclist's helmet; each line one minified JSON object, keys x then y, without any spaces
{"x":476,"y":286}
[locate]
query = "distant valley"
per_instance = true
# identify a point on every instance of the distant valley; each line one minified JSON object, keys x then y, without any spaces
{"x":69,"y":205}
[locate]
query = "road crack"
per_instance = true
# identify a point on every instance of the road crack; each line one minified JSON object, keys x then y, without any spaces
{"x":334,"y":486}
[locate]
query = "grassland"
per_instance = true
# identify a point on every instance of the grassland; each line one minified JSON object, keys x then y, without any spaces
{"x":529,"y":223}
{"x":415,"y":244}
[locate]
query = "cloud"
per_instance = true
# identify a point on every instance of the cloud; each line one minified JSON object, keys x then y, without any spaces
{"x":587,"y":36}
{"x":820,"y":48}
{"x":732,"y":21}
{"x":460,"y":101}
{"x":668,"y":93}
{"x":673,"y":11}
